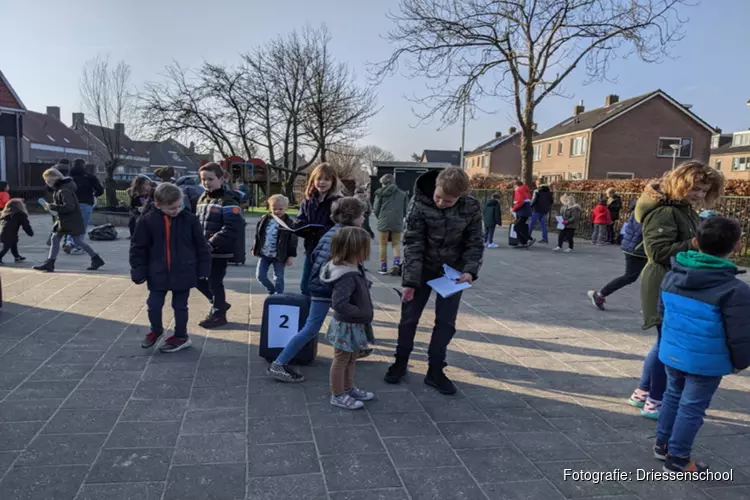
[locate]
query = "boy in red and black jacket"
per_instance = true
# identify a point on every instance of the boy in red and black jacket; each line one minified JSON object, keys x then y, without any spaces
{"x":220,"y":217}
{"x":601,"y":218}
{"x":169,"y":253}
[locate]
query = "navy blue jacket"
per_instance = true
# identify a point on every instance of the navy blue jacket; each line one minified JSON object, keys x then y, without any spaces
{"x":706,"y":311}
{"x":321,"y":255}
{"x":632,"y":238}
{"x":170,"y":253}
{"x":313,"y":211}
{"x":221,"y":219}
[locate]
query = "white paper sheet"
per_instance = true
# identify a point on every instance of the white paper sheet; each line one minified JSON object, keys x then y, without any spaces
{"x":559,"y":220}
{"x":283,"y":324}
{"x":284,"y":226}
{"x":446,"y":285}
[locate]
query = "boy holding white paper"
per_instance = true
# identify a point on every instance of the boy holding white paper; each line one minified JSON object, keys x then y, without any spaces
{"x":443,"y":226}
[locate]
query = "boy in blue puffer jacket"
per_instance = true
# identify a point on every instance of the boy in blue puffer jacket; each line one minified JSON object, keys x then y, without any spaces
{"x":220,"y":216}
{"x":635,"y":261}
{"x":705,"y":335}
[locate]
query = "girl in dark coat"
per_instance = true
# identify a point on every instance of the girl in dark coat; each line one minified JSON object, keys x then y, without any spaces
{"x":69,"y":219}
{"x":12,"y":219}
{"x":139,"y":194}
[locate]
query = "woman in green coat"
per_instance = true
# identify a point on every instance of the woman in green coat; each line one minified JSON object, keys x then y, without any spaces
{"x":667,"y":213}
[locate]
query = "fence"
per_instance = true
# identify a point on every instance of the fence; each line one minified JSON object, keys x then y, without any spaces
{"x":734,"y":207}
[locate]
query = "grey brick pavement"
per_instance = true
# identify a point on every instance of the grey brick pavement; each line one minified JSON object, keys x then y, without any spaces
{"x":86,"y":414}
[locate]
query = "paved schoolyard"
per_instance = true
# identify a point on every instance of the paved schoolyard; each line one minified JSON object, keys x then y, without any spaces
{"x":86,"y":414}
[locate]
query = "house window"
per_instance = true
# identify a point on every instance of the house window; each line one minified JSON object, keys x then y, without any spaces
{"x":718,"y":165}
{"x":575,"y":176}
{"x":484,"y":162}
{"x":741,"y":139}
{"x":666,"y":143}
{"x":559,"y":148}
{"x":741,"y":164}
{"x":578,"y":146}
{"x":715,"y":141}
{"x":620,"y":175}
{"x":537,"y":152}
{"x":549,"y":149}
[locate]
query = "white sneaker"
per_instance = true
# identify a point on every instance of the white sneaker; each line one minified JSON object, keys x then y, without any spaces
{"x":346,"y":402}
{"x":568,"y":250}
{"x":557,"y":249}
{"x":492,"y":245}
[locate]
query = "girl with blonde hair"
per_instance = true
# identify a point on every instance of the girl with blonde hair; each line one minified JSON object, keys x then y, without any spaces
{"x":667,"y":212}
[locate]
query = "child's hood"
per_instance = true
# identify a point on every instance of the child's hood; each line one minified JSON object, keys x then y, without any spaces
{"x":331,"y":273}
{"x":693,"y":270}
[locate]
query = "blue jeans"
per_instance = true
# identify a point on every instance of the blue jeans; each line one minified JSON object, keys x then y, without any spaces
{"x":318,"y":312}
{"x":155,"y":304}
{"x":54,"y":248}
{"x":489,"y":235}
{"x":261,"y":274}
{"x":542,"y":218}
{"x":304,"y":284}
{"x":682,"y":411}
{"x":654,"y":378}
{"x":86,"y":211}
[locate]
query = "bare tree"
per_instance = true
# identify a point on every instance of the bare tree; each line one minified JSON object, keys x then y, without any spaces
{"x":109,"y":98}
{"x":372,"y":154}
{"x":522,"y":50}
{"x":416,"y":157}
{"x":337,"y":110}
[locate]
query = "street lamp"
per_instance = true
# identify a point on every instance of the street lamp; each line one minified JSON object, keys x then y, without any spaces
{"x":675,"y":148}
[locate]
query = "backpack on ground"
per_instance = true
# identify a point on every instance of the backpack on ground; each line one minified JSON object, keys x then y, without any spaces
{"x":106,"y":232}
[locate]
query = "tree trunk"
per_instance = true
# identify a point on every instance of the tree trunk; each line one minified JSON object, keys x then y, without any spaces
{"x":289,"y":188}
{"x":527,"y":155}
{"x":110,"y":187}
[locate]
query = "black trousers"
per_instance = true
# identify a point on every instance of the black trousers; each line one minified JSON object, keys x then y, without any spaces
{"x":522,"y":230}
{"x":155,"y":304}
{"x":566,"y":234}
{"x":633,"y":267}
{"x":446,"y":311}
{"x":10,"y":248}
{"x":213,"y":288}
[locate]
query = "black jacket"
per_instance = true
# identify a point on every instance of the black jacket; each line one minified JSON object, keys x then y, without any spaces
{"x":88,"y":185}
{"x":286,"y":241}
{"x":614,"y":205}
{"x":542,"y":200}
{"x":169,"y":253}
{"x":350,"y":298}
{"x":220,"y":217}
{"x":65,"y":203}
{"x":11,"y":224}
{"x":313,"y":211}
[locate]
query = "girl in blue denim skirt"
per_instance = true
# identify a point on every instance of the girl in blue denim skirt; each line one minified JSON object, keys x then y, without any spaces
{"x":350,"y":329}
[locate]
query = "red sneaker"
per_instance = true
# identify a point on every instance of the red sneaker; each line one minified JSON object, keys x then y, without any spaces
{"x":150,"y":339}
{"x":174,"y":344}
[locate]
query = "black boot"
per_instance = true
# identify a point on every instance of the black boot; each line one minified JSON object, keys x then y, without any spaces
{"x":397,"y":370}
{"x":437,"y":379}
{"x":48,"y":266}
{"x":96,"y":263}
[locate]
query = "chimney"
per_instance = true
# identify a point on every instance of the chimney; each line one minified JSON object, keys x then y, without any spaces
{"x":498,"y":135}
{"x":192,"y":147}
{"x":119,"y":130}
{"x":78,"y":119}
{"x":579,"y":109}
{"x":611,"y":99}
{"x":54,"y":111}
{"x":511,"y":130}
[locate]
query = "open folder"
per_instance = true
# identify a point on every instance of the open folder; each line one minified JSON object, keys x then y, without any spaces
{"x":304,"y":229}
{"x":446,"y":285}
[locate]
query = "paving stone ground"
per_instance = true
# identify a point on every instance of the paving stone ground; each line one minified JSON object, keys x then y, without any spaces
{"x":86,"y":414}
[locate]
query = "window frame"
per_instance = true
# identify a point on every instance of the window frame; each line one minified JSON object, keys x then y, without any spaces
{"x":631,"y":174}
{"x":717,"y":165}
{"x":671,"y":154}
{"x":537,"y":152}
{"x":737,"y":135}
{"x":578,"y":141}
{"x":549,"y":149}
{"x":560,"y":147}
{"x":736,"y":163}
{"x":575,"y":176}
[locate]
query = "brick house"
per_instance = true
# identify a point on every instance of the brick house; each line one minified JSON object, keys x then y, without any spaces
{"x":501,"y":156}
{"x":134,"y":155}
{"x":12,"y":111}
{"x":47,"y":139}
{"x":627,"y":139}
{"x":730,"y":154}
{"x":170,"y":153}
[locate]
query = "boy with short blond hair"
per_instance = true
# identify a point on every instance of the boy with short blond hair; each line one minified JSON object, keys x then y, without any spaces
{"x":274,"y":247}
{"x":443,"y":226}
{"x":169,"y":253}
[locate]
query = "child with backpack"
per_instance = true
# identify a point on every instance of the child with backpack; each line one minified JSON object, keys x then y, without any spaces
{"x":274,"y":247}
{"x":635,"y":261}
{"x":169,"y":253}
{"x":601,"y":219}
{"x":705,"y":335}
{"x":350,"y":329}
{"x":12,"y":218}
{"x":492,"y":218}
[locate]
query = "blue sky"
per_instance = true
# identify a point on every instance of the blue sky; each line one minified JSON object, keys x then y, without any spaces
{"x":49,"y":41}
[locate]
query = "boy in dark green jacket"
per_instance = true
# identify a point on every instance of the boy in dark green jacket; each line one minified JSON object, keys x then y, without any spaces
{"x":492,"y":218}
{"x":443,"y":226}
